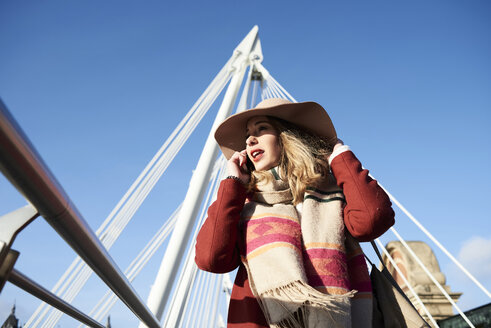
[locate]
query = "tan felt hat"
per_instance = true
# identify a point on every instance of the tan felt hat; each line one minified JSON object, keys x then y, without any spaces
{"x":231,"y":134}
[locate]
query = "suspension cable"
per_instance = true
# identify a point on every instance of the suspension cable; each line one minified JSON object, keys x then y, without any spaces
{"x":443,"y":249}
{"x":277,"y":91}
{"x":283,"y":89}
{"x":215,"y":302}
{"x":205,"y":288}
{"x":267,"y":76}
{"x":196,"y":287}
{"x":106,"y":302}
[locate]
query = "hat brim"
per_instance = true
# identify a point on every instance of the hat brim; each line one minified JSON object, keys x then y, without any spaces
{"x":231,"y":134}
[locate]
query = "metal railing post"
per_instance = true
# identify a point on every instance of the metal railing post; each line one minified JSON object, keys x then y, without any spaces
{"x":40,"y":292}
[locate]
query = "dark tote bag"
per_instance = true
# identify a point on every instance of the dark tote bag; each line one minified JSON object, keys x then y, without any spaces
{"x":391,"y":307}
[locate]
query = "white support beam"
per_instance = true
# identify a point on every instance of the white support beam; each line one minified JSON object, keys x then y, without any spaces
{"x":166,"y":276}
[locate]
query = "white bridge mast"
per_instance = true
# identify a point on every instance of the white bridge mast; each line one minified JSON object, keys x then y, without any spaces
{"x":169,"y":266}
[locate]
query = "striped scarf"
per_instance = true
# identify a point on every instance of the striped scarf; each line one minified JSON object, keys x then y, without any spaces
{"x":308,"y":271}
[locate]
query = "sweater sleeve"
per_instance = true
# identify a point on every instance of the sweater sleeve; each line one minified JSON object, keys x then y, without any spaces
{"x":368,"y":212}
{"x":216,"y":243}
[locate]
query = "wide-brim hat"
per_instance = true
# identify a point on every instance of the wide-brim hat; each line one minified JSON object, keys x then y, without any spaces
{"x":231,"y":134}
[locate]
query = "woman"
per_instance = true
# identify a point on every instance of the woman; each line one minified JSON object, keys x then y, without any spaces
{"x":290,"y":215}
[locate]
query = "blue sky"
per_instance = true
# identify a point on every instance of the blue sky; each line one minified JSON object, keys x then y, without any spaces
{"x":98,"y":86}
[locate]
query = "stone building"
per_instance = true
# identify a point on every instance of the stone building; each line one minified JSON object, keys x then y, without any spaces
{"x":433,"y":299}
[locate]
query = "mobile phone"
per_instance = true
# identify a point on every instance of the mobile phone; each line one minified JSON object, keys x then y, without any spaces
{"x":249,"y":164}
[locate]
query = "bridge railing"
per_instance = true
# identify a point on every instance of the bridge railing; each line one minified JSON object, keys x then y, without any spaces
{"x":24,"y":168}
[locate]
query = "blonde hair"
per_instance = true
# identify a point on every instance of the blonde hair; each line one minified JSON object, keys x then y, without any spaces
{"x":303,"y":160}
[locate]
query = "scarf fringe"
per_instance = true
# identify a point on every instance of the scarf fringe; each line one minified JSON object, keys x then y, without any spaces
{"x":298,"y":305}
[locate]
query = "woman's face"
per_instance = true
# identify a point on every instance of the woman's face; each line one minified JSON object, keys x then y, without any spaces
{"x":262,"y":143}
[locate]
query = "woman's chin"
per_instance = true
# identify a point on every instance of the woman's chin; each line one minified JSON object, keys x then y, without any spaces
{"x":264,"y":167}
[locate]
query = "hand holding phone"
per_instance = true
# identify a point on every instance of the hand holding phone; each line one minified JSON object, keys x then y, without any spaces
{"x":237,"y":166}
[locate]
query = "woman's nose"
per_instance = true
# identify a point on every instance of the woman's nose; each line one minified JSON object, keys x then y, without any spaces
{"x":251,"y":140}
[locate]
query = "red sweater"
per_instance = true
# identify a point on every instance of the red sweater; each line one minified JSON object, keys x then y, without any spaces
{"x":367,"y":215}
